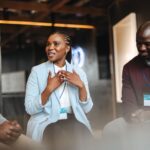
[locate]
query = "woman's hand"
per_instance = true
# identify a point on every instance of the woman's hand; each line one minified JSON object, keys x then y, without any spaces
{"x":74,"y":78}
{"x":52,"y":84}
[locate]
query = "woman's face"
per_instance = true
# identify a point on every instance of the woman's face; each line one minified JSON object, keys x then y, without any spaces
{"x":56,"y":48}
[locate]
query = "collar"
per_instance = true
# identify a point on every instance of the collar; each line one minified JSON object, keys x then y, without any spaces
{"x":50,"y":67}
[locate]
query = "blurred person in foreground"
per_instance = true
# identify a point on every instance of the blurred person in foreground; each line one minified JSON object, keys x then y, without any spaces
{"x":11,"y":137}
{"x":9,"y":131}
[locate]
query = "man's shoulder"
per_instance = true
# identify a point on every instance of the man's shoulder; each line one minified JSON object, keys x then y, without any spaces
{"x":133,"y":62}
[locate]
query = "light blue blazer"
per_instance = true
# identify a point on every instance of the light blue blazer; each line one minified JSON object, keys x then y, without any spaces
{"x":43,"y":115}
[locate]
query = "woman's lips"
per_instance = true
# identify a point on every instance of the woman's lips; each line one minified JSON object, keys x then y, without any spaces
{"x":51,"y":53}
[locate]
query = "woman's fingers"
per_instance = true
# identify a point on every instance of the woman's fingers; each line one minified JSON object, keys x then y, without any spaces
{"x":66,"y":75}
{"x":49,"y":74}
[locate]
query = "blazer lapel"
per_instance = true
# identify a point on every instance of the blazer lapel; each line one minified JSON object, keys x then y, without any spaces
{"x":50,"y":68}
{"x":71,"y":89}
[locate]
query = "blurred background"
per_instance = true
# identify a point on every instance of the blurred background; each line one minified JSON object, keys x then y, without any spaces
{"x":103,"y":40}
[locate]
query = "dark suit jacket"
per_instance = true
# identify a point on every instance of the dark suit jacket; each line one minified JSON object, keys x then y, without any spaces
{"x":136,"y":82}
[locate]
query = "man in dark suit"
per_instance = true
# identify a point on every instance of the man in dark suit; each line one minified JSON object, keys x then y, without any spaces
{"x":132,"y":132}
{"x":136,"y":79}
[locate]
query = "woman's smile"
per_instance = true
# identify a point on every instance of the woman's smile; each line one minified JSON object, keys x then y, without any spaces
{"x":51,"y":53}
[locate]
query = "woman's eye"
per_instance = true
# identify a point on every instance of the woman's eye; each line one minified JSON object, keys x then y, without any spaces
{"x":53,"y":44}
{"x":48,"y":44}
{"x":56,"y":43}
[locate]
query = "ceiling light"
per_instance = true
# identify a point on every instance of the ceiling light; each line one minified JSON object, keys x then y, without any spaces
{"x":45,"y":24}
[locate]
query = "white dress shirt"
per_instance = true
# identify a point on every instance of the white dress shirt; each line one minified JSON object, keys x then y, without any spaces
{"x":63,"y":98}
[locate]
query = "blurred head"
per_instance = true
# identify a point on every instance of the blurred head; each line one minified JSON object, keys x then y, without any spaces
{"x":143,"y":41}
{"x":57,"y":47}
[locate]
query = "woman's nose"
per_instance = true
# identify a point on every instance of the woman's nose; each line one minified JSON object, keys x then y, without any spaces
{"x":50,"y":46}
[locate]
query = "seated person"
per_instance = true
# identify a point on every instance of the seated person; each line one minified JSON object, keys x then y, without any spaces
{"x":58,"y":98}
{"x":11,"y":137}
{"x":131,"y":131}
{"x":9,"y":131}
{"x":136,"y":79}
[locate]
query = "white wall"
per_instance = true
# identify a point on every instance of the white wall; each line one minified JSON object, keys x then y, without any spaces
{"x":124,"y":36}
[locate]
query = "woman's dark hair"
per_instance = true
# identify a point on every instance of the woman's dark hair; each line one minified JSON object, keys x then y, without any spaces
{"x":68,"y":42}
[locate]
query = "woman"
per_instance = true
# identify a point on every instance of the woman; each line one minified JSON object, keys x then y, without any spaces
{"x":57,"y":94}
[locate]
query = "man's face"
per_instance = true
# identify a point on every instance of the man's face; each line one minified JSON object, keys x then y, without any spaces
{"x":143,"y":43}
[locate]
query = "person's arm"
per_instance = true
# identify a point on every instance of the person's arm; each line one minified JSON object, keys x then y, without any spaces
{"x":82,"y":92}
{"x":9,"y":132}
{"x":82,"y":84}
{"x":33,"y":96}
{"x":74,"y":78}
{"x":88,"y":103}
{"x":52,"y":84}
{"x":34,"y":100}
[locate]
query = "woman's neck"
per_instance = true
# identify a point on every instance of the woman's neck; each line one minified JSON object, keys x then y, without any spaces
{"x":60,"y":63}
